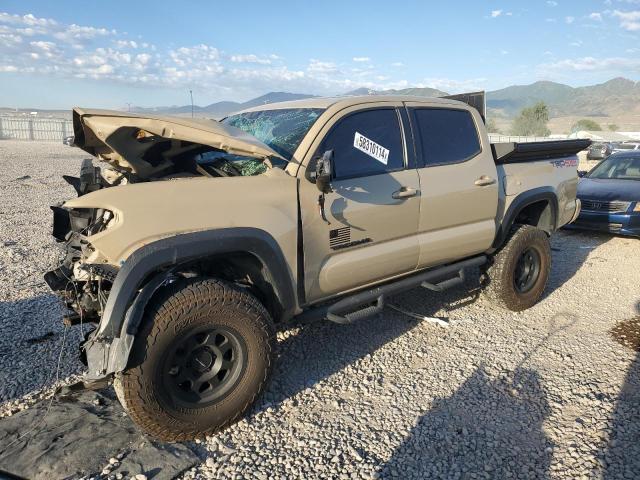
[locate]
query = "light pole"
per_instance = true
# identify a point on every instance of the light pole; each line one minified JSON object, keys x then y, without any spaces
{"x":191,"y":93}
{"x":128,"y":106}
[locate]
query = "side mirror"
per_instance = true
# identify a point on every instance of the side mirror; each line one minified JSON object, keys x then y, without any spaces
{"x":324,"y":170}
{"x":582,"y":173}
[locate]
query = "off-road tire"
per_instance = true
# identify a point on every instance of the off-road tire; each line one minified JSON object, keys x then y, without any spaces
{"x":185,"y":306}
{"x":499,"y":277}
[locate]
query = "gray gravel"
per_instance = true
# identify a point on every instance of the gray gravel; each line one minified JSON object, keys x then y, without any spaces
{"x":542,"y":393}
{"x":30,"y":181}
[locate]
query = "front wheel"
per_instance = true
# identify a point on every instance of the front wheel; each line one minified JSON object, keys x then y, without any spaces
{"x":519,"y":272}
{"x":202,"y":357}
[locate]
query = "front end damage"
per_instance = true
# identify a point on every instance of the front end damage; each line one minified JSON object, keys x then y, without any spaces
{"x":82,"y":280}
{"x":131,"y":150}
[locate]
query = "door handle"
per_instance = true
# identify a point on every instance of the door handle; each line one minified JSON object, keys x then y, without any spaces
{"x":404,"y":192}
{"x":484,"y":180}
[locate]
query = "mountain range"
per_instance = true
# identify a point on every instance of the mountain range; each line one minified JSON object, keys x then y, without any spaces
{"x":619,"y":96}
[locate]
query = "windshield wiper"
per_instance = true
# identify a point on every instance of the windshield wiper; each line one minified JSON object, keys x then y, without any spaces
{"x":229,"y":163}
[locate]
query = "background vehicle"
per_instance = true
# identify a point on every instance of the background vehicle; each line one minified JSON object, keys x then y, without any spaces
{"x":625,"y":146}
{"x":319,"y":208}
{"x":610,"y":195}
{"x":599,"y":151}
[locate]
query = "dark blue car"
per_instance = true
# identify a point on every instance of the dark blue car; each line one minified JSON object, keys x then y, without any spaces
{"x":610,"y":195}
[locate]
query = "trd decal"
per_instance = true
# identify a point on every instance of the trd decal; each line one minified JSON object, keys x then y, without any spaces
{"x":565,"y":162}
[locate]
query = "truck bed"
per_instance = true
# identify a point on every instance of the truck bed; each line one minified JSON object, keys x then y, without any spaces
{"x":542,"y":167}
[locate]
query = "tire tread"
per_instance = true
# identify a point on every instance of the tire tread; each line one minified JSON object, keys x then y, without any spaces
{"x":180,"y":300}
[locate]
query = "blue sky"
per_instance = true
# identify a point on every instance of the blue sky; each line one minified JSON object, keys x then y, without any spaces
{"x":108,"y":54}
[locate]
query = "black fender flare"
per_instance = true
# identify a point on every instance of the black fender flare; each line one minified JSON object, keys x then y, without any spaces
{"x":160,"y":256}
{"x":146,"y":269}
{"x":521,"y":201}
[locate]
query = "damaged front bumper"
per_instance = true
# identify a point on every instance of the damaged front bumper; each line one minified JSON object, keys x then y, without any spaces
{"x":83,"y":279}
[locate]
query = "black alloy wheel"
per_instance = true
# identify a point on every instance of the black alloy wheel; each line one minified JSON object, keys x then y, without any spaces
{"x":202,"y":366}
{"x":527,"y":270}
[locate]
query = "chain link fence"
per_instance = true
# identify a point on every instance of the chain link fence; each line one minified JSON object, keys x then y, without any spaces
{"x":497,"y":138}
{"x":56,"y":129}
{"x":42,"y":129}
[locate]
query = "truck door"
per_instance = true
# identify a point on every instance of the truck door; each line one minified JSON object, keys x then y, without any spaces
{"x":372,"y":211}
{"x":459,"y":183}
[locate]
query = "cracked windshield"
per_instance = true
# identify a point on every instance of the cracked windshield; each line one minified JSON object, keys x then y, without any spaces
{"x":282,"y":129}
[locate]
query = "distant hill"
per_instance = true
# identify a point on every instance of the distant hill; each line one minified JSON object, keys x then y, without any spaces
{"x":418,"y":92}
{"x":616,"y":97}
{"x":224,"y":108}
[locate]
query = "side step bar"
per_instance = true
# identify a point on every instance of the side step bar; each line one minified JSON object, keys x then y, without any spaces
{"x":437,"y":279}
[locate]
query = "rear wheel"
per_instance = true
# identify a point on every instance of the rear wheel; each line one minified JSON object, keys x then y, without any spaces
{"x":202,"y":357}
{"x":519,"y":272}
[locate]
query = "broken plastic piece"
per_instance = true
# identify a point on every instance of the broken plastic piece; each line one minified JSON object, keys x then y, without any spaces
{"x":443,"y":322}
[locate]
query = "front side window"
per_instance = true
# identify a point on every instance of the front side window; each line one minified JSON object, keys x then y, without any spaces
{"x":445,"y":136}
{"x":366,"y":143}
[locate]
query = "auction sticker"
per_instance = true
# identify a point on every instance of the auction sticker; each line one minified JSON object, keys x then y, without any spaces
{"x":371,"y":148}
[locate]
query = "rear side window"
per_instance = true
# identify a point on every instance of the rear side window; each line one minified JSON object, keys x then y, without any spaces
{"x":445,"y":136}
{"x":366,"y":143}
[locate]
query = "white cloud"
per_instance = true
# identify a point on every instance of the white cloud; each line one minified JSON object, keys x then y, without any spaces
{"x":127,"y":44}
{"x":615,"y":65}
{"x":47,"y":47}
{"x":42,"y":45}
{"x":143,"y":58}
{"x":552,"y":3}
{"x":250,"y":58}
{"x":577,"y":43}
{"x":569,"y":19}
{"x":595,"y":16}
{"x":496,"y":13}
{"x":26,"y":20}
{"x":317,"y":66}
{"x":453,"y":86}
{"x":75,"y":32}
{"x":629,"y":21}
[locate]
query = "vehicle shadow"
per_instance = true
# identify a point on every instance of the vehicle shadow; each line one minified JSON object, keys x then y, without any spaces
{"x":570,"y":249}
{"x":32,"y":336}
{"x":620,"y":457}
{"x":312,"y":352}
{"x":489,"y":428}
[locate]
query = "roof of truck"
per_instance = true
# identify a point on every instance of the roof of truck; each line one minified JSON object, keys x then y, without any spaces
{"x":326,"y":102}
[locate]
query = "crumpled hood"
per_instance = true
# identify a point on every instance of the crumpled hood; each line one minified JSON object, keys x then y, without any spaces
{"x":606,"y":189}
{"x":113,"y":136}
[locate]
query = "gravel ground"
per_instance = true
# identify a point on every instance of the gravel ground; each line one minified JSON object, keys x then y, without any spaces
{"x":546,"y":393}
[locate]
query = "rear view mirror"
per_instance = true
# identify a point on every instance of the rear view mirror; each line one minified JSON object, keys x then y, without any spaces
{"x":582,"y":173}
{"x":324,"y":170}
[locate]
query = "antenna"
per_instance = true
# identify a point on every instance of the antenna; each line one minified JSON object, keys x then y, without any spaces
{"x":191,"y":93}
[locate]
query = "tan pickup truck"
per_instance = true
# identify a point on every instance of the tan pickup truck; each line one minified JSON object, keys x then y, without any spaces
{"x":191,"y":241}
